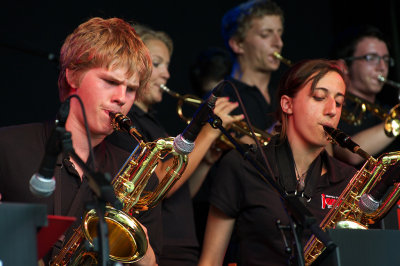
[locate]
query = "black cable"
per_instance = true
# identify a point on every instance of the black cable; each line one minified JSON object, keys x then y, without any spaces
{"x":86,"y":128}
{"x":250,"y":126}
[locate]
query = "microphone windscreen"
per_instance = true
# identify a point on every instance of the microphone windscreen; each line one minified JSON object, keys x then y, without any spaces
{"x":41,"y":186}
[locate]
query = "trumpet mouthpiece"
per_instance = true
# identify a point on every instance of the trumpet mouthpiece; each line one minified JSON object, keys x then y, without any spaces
{"x":389,"y":82}
{"x":381,"y":78}
{"x":167,"y":90}
{"x":282,"y":59}
{"x":164,"y":88}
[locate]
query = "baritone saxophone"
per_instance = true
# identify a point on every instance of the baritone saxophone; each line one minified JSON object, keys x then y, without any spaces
{"x":347,"y":212}
{"x":126,"y":237}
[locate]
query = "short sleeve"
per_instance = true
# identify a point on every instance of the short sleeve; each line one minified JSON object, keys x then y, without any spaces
{"x":226,"y":193}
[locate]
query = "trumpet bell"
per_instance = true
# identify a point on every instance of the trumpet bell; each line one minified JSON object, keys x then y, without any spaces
{"x":127,"y":239}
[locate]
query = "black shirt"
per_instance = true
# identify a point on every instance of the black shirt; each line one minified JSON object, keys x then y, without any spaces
{"x":240,"y":193}
{"x":261,"y":114}
{"x":21,"y":151}
{"x":367,"y":119}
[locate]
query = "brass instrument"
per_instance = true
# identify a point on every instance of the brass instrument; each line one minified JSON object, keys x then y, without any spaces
{"x":282,"y":59}
{"x":355,"y":116}
{"x":346,"y":212}
{"x":239,"y":126}
{"x":127,"y":239}
{"x":389,"y":82}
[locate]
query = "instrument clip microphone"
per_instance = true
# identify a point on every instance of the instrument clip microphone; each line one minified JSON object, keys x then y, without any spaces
{"x":184,"y":142}
{"x":370,"y":202}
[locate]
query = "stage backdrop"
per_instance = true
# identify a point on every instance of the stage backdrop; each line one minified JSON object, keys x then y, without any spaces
{"x":32,"y":33}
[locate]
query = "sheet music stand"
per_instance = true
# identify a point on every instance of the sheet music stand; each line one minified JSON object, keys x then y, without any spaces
{"x":362,"y":247}
{"x":21,"y":240}
{"x":18,"y":227}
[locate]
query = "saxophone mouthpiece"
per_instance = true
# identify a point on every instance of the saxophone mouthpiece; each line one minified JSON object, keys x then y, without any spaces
{"x":345,"y":141}
{"x":329,"y":130}
{"x":121,"y":122}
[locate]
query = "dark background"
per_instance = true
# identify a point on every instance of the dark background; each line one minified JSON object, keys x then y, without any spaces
{"x":31,"y":31}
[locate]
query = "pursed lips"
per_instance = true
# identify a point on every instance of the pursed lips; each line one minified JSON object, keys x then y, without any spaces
{"x":327,"y":124}
{"x":111,"y":110}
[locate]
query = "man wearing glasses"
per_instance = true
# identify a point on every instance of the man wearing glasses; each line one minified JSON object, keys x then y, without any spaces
{"x":365,"y":56}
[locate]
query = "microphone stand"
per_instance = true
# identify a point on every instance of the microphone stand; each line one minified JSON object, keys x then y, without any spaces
{"x":101,"y":186}
{"x":300,"y":214}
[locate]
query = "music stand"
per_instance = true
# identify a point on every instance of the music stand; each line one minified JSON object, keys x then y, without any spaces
{"x":362,"y":247}
{"x":18,"y":228}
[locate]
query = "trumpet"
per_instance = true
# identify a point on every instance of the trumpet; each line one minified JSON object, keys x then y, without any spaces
{"x":354,"y":117}
{"x":127,"y":239}
{"x":389,"y":82}
{"x":282,"y":59}
{"x":239,"y":127}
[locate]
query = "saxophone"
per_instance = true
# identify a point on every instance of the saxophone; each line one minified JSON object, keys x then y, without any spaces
{"x":346,"y":212}
{"x":126,"y":237}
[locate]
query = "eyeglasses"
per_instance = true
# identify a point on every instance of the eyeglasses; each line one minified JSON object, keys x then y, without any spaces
{"x":374,"y":59}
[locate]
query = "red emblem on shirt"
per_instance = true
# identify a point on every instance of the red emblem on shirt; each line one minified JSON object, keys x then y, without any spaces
{"x":328,"y":201}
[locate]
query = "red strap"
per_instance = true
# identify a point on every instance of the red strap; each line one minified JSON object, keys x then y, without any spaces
{"x":398,"y":213}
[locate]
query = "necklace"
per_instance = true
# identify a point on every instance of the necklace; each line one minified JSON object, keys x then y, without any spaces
{"x":300,"y":179}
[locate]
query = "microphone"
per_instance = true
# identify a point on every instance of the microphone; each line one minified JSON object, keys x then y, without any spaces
{"x":370,"y":202}
{"x":184,"y":142}
{"x":43,"y":183}
{"x":345,"y":141}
